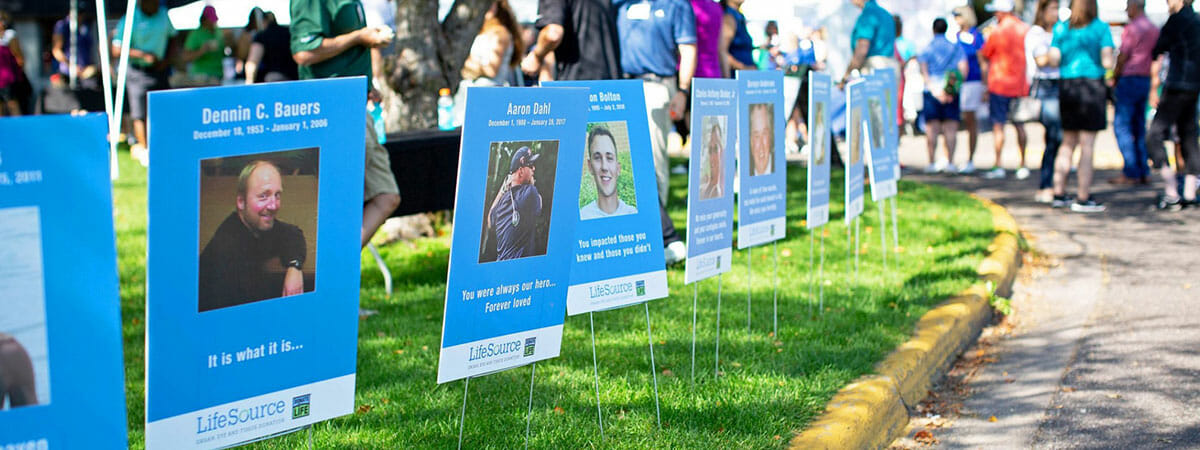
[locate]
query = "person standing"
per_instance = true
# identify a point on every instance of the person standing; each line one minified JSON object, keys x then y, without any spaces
{"x":652,"y":33}
{"x":1179,"y":38}
{"x":1002,"y":64}
{"x":736,"y":38}
{"x":149,"y":65}
{"x":973,"y":90}
{"x":1044,"y":88}
{"x":330,"y":38}
{"x":1132,"y":91}
{"x":658,"y":45}
{"x":873,"y":40}
{"x":270,"y":58}
{"x":712,"y":58}
{"x":204,"y":49}
{"x":941,"y":107}
{"x":1083,"y":47}
{"x":582,"y":35}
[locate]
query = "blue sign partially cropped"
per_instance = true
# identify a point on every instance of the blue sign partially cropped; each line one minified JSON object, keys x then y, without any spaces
{"x":820,"y":88}
{"x":710,"y":178}
{"x":62,"y":381}
{"x":762,"y":195}
{"x":618,"y":241}
{"x":514,"y":229}
{"x":856,"y":128}
{"x":891,"y":94}
{"x":881,"y":156}
{"x":252,"y":260}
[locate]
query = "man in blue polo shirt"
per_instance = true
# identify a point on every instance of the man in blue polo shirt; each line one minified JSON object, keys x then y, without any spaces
{"x":656,"y":37}
{"x":872,"y":40}
{"x":658,"y":45}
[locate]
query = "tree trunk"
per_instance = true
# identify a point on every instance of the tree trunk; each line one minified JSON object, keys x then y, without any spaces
{"x":425,"y":57}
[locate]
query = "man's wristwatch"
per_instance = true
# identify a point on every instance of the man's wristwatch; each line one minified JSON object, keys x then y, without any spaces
{"x":295,"y":263}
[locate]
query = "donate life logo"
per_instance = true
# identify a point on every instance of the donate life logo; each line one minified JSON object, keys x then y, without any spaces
{"x":641,"y":288}
{"x":300,"y":406}
{"x":529,"y":343}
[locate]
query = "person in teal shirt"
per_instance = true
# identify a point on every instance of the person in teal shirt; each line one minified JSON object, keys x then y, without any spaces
{"x":1083,"y":48}
{"x":150,"y":57}
{"x":873,"y":39}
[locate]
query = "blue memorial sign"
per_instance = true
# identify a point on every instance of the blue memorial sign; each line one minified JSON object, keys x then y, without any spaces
{"x":63,"y":382}
{"x":882,"y":159}
{"x":891,"y":94}
{"x":820,"y":91}
{"x":710,"y":178}
{"x":252,"y":259}
{"x":762,"y":194}
{"x":514,"y":228}
{"x":618,"y":241}
{"x":856,"y":118}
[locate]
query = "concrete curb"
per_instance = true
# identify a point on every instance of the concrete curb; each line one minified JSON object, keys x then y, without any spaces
{"x":873,"y":411}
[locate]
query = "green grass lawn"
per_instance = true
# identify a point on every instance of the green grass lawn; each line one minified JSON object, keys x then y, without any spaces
{"x":770,"y":388}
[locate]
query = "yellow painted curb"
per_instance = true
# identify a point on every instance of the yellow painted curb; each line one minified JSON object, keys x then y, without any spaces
{"x":873,"y":411}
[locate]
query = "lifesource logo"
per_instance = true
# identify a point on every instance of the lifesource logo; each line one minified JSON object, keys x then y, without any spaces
{"x":300,"y":406}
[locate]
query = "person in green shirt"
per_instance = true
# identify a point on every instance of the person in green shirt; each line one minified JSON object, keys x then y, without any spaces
{"x":204,"y":49}
{"x":330,"y":38}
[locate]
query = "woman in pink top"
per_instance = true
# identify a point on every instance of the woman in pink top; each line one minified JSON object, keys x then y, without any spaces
{"x":709,"y":52}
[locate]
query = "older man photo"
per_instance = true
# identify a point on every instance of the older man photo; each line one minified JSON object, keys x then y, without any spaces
{"x":253,"y":255}
{"x":604,"y":165}
{"x":762,"y":139}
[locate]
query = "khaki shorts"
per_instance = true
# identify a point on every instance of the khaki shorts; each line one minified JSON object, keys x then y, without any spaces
{"x":377,"y":176}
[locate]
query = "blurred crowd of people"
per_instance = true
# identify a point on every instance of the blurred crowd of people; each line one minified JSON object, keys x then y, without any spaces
{"x":1062,"y":72}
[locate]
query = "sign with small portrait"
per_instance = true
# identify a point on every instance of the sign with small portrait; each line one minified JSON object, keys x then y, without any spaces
{"x":856,"y":136}
{"x":710,"y":178}
{"x":819,"y":95}
{"x":253,"y":253}
{"x":62,"y":381}
{"x":881,"y":167}
{"x":762,"y":165}
{"x":515,"y":214}
{"x":891,"y":99}
{"x":618,"y":246}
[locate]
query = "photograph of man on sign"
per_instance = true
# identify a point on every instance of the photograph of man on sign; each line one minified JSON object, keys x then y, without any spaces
{"x":517,"y":218}
{"x":252,"y":254}
{"x":607,"y":188}
{"x":762,"y":138}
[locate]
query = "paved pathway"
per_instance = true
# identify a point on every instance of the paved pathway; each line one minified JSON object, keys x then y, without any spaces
{"x":1107,"y":349}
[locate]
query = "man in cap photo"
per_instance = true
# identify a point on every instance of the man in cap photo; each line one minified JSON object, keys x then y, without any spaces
{"x":516,"y":209}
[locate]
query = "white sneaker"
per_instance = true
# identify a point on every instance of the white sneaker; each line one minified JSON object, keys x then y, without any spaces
{"x":950,"y":168}
{"x":1022,"y":173}
{"x":967,"y":169}
{"x":995,"y":174}
{"x":679,"y":169}
{"x":941,"y":165}
{"x":675,"y":252}
{"x":932,"y":168}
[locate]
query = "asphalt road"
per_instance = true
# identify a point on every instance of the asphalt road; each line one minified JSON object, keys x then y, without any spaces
{"x":1106,"y":353}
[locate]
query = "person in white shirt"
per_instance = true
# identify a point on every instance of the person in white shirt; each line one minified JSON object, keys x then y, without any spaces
{"x":605,"y":167}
